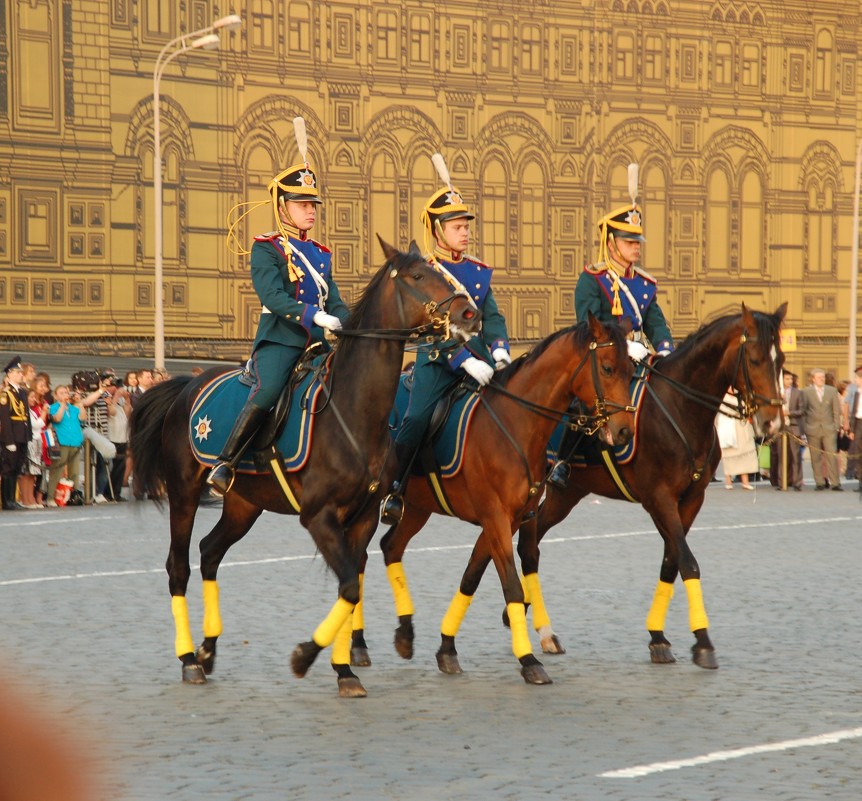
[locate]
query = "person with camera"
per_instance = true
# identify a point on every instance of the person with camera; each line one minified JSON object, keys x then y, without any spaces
{"x":96,"y":431}
{"x":119,"y":408}
{"x":66,"y":414}
{"x":15,"y":432}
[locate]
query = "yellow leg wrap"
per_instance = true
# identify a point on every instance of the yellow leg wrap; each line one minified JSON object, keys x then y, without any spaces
{"x":696,"y":611}
{"x":541,"y":617}
{"x":183,"y":642}
{"x":359,"y":609}
{"x":518,"y":622}
{"x":398,"y":582}
{"x":325,"y":633}
{"x":212,"y":616}
{"x":660,"y":602}
{"x":341,"y":645}
{"x":525,"y":589}
{"x":454,"y":616}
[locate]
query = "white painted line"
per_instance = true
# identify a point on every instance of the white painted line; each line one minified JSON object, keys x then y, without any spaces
{"x":723,"y":756}
{"x":426,"y":549}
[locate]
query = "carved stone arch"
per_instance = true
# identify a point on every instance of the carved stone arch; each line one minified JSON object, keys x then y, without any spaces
{"x":720,"y":144}
{"x":569,"y":168}
{"x":646,"y":7}
{"x":717,"y":15}
{"x":498,"y":152}
{"x":618,"y":6}
{"x":460,"y":164}
{"x":175,"y":127}
{"x":744,"y":16}
{"x":384,"y":127}
{"x":518,"y":124}
{"x":278,"y":108}
{"x":661,"y":10}
{"x":730,"y":16}
{"x":687,"y":171}
{"x":621,"y":137}
{"x":821,"y":160}
{"x":757,"y":18}
{"x":534,"y":155}
{"x":343,"y":156}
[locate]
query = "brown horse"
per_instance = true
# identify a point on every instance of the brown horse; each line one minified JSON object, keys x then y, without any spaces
{"x":504,"y":469}
{"x":677,"y":453}
{"x":338,"y":490}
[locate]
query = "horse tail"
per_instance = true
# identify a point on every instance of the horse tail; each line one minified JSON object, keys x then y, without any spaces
{"x":145,"y":436}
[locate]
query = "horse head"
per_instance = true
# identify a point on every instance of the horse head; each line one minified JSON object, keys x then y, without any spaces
{"x":758,"y":367}
{"x":414,"y":294}
{"x":606,"y":386}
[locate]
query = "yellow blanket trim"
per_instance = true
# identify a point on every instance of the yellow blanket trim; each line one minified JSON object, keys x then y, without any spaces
{"x":455,"y":614}
{"x":660,"y":603}
{"x":400,"y":590}
{"x":696,"y":611}
{"x":518,"y":621}
{"x":325,"y":633}
{"x":438,"y":493}
{"x":183,"y":642}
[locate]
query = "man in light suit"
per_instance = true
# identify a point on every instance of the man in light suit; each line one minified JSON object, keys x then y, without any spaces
{"x":792,"y":410}
{"x":821,"y":419}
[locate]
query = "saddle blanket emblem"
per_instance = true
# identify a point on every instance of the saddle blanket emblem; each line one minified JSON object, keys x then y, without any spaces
{"x":451,"y":439}
{"x":218,"y":405}
{"x":587,"y":454}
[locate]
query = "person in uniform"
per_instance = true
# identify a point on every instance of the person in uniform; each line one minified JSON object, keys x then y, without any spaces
{"x":446,"y":222}
{"x":292,"y":275}
{"x":15,"y":431}
{"x":614,"y":288}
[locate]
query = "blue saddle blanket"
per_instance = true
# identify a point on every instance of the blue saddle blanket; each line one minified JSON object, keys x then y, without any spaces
{"x":218,"y":405}
{"x":587,"y":451}
{"x":451,"y":439}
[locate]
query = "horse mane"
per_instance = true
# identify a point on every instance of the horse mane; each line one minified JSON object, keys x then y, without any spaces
{"x":360,"y":307}
{"x":767,"y":331}
{"x":582,"y":336}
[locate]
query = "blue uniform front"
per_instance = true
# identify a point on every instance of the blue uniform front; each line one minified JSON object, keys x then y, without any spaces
{"x":438,"y":367}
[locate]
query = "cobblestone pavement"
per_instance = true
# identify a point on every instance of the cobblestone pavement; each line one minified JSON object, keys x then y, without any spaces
{"x":88,"y":633}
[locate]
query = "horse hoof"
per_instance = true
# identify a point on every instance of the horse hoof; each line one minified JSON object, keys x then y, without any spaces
{"x":351,"y":687}
{"x":404,"y":642}
{"x":661,"y":654}
{"x":359,"y":657}
{"x":535,"y":674}
{"x":552,"y":645}
{"x":705,"y":658}
{"x":303,"y":657}
{"x":193,"y":674}
{"x":448,"y":663}
{"x":206,"y":659}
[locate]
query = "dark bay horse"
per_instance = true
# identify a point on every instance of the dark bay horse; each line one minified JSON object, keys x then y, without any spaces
{"x":504,"y":469}
{"x":676,"y":457}
{"x":338,"y":490}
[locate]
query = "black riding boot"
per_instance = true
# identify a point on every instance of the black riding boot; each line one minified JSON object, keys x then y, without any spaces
{"x":393,"y":503}
{"x":562,"y":469}
{"x":222,"y":476}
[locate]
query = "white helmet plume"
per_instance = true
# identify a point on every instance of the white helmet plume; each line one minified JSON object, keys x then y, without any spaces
{"x":301,"y":137}
{"x":633,"y":182}
{"x":442,"y":170}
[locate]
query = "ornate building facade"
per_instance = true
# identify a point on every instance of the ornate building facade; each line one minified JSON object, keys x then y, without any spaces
{"x":743,"y":116}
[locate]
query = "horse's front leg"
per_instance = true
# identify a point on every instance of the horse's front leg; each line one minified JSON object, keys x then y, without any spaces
{"x":330,"y":539}
{"x":660,"y":647}
{"x":673,"y":526}
{"x":237,"y":518}
{"x":359,"y":655}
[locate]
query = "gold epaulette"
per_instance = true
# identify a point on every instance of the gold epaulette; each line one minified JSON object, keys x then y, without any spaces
{"x":468,"y":257}
{"x":645,"y":275}
{"x":267,"y":237}
{"x":596,"y":269}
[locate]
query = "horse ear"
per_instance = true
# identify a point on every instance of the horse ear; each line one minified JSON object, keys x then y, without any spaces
{"x":748,"y":319}
{"x":626,"y":325}
{"x":595,"y":325}
{"x":413,"y":250}
{"x":781,"y":311}
{"x":388,"y":250}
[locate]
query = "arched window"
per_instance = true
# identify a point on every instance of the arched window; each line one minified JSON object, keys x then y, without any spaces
{"x":718,"y":221}
{"x":422,"y":182}
{"x":259,"y":171}
{"x":823,"y":63}
{"x":654,"y":203}
{"x":383,"y":211}
{"x":820,"y":223}
{"x":495,"y":214}
{"x":533,"y":222}
{"x":171,"y":204}
{"x":751,"y":224}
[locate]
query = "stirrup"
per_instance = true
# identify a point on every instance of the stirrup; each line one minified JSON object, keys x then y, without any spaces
{"x":393,"y":509}
{"x":560,"y":475}
{"x":220,"y":483}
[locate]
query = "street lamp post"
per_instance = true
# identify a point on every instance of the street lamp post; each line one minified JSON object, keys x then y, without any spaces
{"x":854,"y":266}
{"x":203,"y":39}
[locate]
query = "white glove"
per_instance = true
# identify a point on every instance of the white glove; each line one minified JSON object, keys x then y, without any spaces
{"x":325,"y":320}
{"x":637,"y":350}
{"x":481,"y":371}
{"x":663,"y":353}
{"x":501,"y":357}
{"x":12,"y":448}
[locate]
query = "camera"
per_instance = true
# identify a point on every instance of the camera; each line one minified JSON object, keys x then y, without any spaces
{"x":90,"y":380}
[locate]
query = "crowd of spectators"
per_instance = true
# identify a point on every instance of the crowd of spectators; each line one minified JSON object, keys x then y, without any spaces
{"x":49,"y":469}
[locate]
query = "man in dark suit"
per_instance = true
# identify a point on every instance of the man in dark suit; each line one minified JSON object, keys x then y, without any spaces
{"x":792,"y":410}
{"x":15,"y":431}
{"x":854,"y":427}
{"x":821,"y":419}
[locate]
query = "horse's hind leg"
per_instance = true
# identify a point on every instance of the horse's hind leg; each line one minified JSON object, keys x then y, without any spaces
{"x":237,"y":517}
{"x":359,"y":656}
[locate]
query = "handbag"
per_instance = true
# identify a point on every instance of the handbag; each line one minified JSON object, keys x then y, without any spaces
{"x":52,"y":447}
{"x":764,"y":457}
